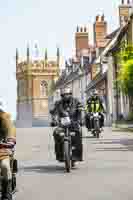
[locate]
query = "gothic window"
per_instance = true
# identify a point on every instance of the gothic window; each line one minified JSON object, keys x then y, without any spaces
{"x":44,"y":88}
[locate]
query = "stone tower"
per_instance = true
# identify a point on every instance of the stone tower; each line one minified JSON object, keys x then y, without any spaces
{"x":33,"y":82}
{"x":81,"y":41}
{"x":124,"y":11}
{"x":100,"y":31}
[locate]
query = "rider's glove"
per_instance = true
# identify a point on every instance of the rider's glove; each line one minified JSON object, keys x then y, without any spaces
{"x":53,"y":124}
{"x":80,"y":122}
{"x":104,"y":112}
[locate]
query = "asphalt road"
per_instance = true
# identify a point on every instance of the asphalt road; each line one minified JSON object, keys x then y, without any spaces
{"x":105,"y":174}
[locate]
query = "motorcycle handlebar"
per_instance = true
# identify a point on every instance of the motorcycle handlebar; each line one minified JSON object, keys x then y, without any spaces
{"x":5,"y":145}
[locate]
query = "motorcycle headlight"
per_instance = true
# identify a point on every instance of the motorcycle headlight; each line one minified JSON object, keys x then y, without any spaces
{"x":61,"y":134}
{"x":65,"y":121}
{"x":96,"y":114}
{"x":72,"y":133}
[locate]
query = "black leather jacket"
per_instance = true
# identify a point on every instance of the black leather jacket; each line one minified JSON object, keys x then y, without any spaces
{"x":63,"y":108}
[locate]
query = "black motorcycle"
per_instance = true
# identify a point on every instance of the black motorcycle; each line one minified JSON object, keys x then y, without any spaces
{"x":95,"y":124}
{"x":67,"y":135}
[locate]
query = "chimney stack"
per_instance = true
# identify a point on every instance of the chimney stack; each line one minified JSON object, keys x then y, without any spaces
{"x":100,"y":31}
{"x":81,"y":29}
{"x":124,"y":12}
{"x":85,"y":29}
{"x":81,"y":40}
{"x":97,"y":17}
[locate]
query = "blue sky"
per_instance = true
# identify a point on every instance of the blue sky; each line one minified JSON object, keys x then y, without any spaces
{"x":47,"y":23}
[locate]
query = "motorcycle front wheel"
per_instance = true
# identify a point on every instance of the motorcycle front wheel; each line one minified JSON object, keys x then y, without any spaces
{"x":97,"y":128}
{"x":13,"y":183}
{"x":67,"y":156}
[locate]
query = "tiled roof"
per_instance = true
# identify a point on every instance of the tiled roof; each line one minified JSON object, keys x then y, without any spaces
{"x":112,"y":43}
{"x":118,"y":37}
{"x":96,"y":80}
{"x":112,"y":35}
{"x":60,"y":81}
{"x":73,"y":75}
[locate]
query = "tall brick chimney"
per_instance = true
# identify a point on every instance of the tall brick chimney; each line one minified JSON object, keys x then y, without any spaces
{"x":100,"y":31}
{"x":81,"y":40}
{"x":124,"y":11}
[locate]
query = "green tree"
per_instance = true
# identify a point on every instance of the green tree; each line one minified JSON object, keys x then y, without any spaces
{"x":125,"y":73}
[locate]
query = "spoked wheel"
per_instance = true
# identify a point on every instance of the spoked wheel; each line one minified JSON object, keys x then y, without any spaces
{"x":94,"y":133}
{"x":13,"y":183}
{"x":67,"y":156}
{"x":97,"y":129}
{"x":97,"y":134}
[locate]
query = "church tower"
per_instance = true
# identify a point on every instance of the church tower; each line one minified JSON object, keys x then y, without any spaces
{"x":33,"y":80}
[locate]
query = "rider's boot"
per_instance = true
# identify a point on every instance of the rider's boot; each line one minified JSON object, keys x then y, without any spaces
{"x":6,"y":190}
{"x":89,"y":129}
{"x":73,"y":163}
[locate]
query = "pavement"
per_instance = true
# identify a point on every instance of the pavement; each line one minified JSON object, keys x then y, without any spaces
{"x":105,"y":174}
{"x":122,"y":127}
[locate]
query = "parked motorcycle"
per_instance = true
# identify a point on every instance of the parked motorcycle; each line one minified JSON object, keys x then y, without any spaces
{"x":14,"y":167}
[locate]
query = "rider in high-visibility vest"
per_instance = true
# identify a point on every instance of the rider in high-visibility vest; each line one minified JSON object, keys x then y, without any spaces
{"x":94,"y":104}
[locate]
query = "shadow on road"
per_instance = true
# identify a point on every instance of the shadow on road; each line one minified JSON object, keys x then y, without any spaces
{"x":48,"y":169}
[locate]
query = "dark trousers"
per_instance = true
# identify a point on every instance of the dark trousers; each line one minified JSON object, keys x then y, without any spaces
{"x":76,"y":142}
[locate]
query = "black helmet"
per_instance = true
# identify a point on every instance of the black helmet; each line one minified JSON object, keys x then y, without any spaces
{"x":66,"y":91}
{"x":95,"y":92}
{"x":66,"y":94}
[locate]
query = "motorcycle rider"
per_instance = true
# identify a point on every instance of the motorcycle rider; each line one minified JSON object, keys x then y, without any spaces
{"x":8,"y":136}
{"x":68,"y":105}
{"x":94,"y":104}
